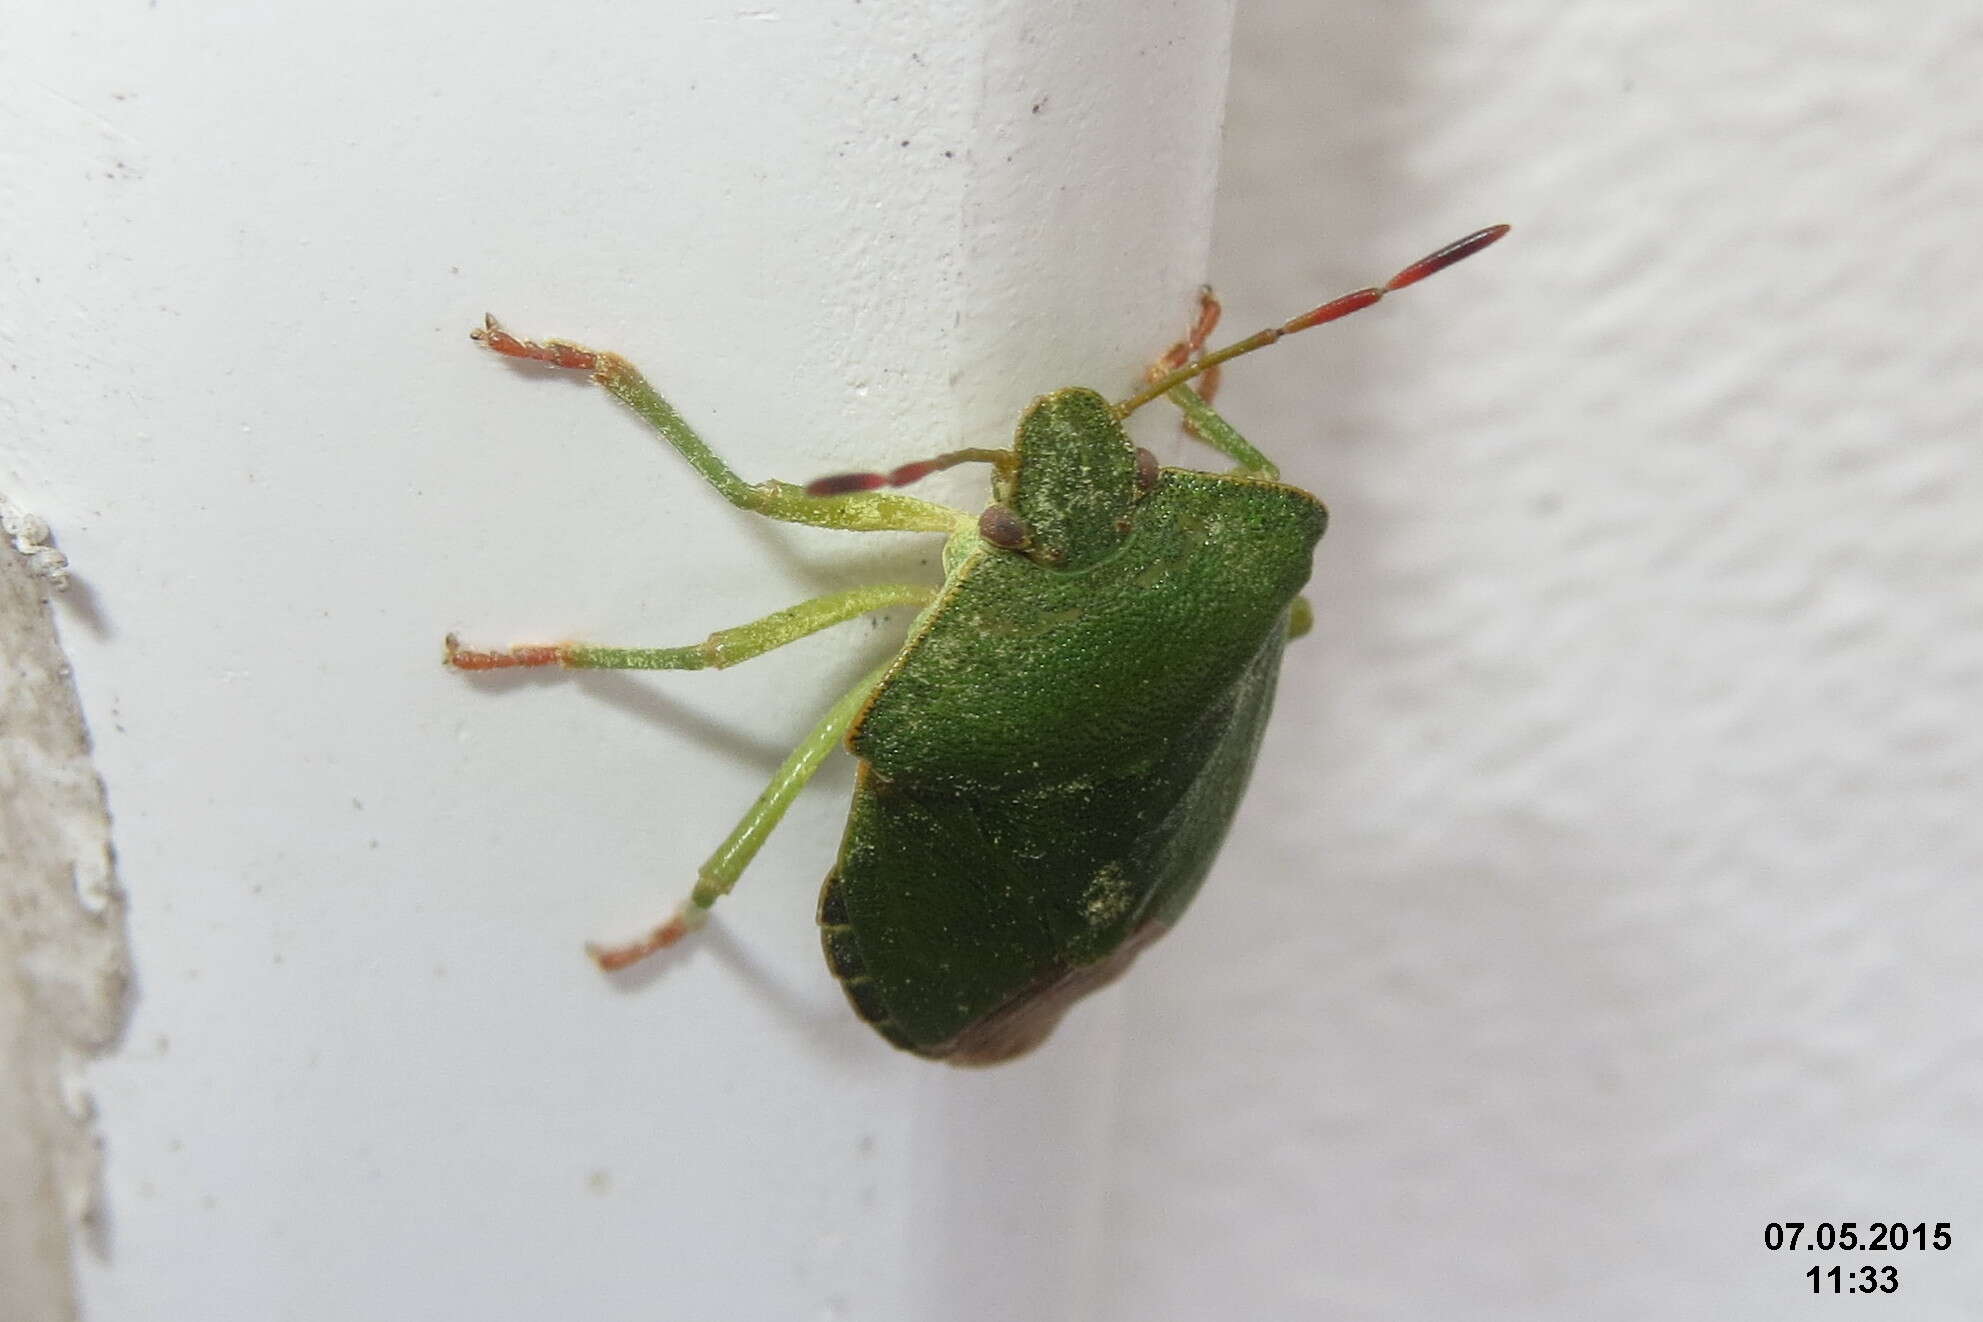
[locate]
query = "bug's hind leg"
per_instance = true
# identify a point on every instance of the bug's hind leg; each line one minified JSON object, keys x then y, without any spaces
{"x":1301,"y":617}
{"x":719,"y":873}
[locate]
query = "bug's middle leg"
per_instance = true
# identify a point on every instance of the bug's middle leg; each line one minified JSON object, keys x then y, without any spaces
{"x":720,"y":871}
{"x":725,"y":647}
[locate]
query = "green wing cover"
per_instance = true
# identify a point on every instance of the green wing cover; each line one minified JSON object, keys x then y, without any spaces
{"x":981,"y":865}
{"x":948,"y":907}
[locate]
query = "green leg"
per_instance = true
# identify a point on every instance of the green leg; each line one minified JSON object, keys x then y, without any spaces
{"x":1216,"y":432}
{"x":721,"y":870}
{"x":868,"y":511}
{"x":725,"y":647}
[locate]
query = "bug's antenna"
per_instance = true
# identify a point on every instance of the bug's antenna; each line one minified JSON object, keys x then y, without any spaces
{"x":841,"y":484}
{"x":1334,"y":310}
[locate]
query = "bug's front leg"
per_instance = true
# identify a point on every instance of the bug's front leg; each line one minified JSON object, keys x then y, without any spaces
{"x":1200,"y":420}
{"x":1205,"y":423}
{"x":872,"y":511}
{"x":1193,"y":344}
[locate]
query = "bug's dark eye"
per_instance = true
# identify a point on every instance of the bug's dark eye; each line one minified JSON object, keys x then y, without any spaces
{"x":1001,"y":527}
{"x":1147,"y":471}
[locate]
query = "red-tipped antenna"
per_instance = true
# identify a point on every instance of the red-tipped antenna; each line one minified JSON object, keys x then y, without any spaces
{"x":1334,"y":310}
{"x":841,"y":484}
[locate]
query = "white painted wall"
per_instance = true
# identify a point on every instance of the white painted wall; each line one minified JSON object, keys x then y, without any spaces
{"x":1612,"y":883}
{"x":370,"y":1074}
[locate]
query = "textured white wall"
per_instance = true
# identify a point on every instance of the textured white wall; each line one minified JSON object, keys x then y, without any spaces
{"x":1610,"y":885}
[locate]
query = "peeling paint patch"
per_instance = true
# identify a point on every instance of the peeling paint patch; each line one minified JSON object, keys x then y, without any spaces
{"x":65,"y":970}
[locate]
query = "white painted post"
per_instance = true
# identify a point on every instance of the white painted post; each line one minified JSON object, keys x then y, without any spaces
{"x":370,"y":1074}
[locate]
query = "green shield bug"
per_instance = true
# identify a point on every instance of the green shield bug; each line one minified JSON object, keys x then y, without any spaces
{"x":1050,"y":763}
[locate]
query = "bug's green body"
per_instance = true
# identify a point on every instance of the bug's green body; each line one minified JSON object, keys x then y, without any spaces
{"x":1051,"y":763}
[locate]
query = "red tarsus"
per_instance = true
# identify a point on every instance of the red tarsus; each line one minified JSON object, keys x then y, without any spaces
{"x":556,"y":353}
{"x":462,"y":659}
{"x":614,"y":958}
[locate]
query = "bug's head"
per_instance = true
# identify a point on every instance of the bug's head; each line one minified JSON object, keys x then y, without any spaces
{"x":1067,"y":498}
